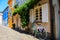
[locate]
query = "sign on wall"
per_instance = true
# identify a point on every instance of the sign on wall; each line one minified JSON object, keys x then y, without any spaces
{"x":45,"y":12}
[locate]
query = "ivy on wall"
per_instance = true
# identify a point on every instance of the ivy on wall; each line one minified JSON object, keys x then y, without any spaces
{"x":23,"y":11}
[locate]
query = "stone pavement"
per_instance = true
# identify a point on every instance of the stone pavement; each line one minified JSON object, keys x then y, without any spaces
{"x":9,"y":34}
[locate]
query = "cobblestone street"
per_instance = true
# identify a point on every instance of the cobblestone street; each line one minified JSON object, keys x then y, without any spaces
{"x":9,"y":34}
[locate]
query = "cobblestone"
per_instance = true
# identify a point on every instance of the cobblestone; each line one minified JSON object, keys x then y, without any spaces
{"x":9,"y":34}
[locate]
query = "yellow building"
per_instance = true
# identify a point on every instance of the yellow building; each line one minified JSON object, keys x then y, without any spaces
{"x":11,"y":8}
{"x":17,"y":21}
{"x":47,"y":13}
{"x":40,"y":15}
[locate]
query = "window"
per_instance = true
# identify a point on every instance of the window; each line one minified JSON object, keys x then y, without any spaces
{"x":36,"y":14}
{"x":36,"y":18}
{"x":39,"y":14}
{"x":39,"y":4}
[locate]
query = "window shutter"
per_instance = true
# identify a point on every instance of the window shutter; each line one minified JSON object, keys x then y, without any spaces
{"x":45,"y":12}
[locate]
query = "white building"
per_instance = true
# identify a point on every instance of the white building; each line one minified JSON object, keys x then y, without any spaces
{"x":1,"y":18}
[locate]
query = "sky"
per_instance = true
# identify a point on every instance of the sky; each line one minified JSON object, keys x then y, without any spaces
{"x":3,"y":5}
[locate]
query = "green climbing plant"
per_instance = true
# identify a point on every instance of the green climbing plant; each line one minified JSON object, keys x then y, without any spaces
{"x":23,"y":11}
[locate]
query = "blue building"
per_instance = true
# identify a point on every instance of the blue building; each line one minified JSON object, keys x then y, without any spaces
{"x":5,"y":16}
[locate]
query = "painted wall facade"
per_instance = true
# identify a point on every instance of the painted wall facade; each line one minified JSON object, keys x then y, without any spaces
{"x":11,"y":8}
{"x":17,"y":21}
{"x":40,"y":15}
{"x":16,"y":18}
{"x":5,"y":17}
{"x":1,"y":18}
{"x":57,"y":18}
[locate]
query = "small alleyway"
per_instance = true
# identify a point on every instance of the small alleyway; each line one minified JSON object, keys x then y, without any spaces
{"x":9,"y":34}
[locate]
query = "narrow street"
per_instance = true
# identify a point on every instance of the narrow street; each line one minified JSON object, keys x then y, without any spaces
{"x":29,"y":19}
{"x":9,"y":34}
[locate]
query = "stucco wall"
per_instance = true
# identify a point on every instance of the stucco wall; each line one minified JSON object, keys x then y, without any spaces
{"x":57,"y":20}
{"x":45,"y":15}
{"x":0,"y":18}
{"x":5,"y":16}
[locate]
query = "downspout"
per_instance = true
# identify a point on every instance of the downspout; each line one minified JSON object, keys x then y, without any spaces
{"x":51,"y":20}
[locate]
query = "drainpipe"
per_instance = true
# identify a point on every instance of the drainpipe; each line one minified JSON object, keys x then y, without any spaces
{"x":51,"y":20}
